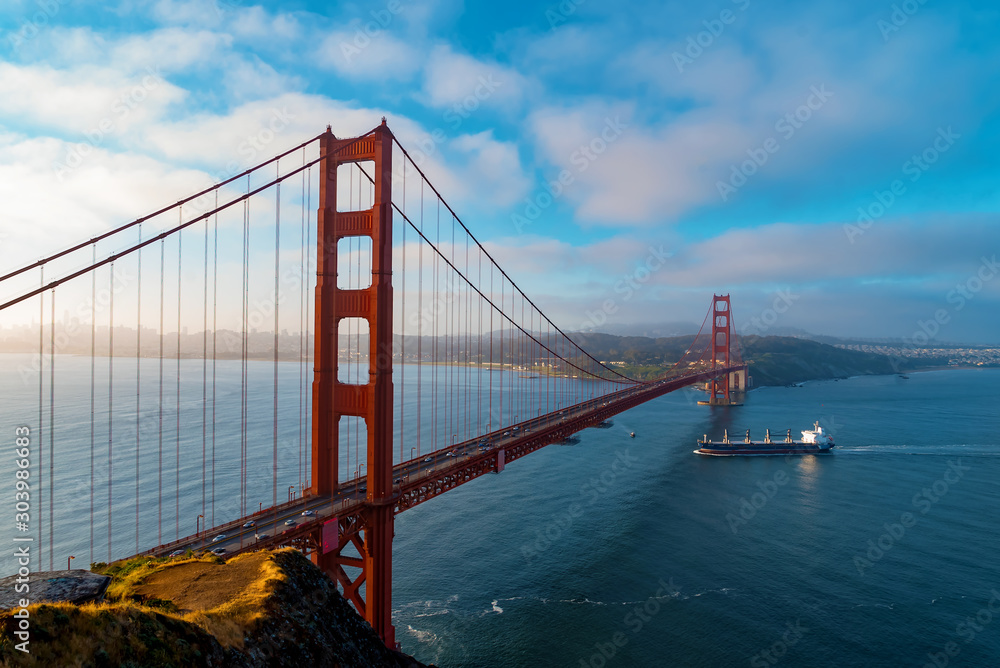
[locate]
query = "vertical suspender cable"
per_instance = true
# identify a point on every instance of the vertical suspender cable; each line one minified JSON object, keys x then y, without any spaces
{"x":420,"y":316}
{"x":303,"y":249}
{"x":52,"y":424}
{"x":306,"y":469}
{"x":159,"y":430}
{"x":503,"y":329}
{"x":41,"y":389}
{"x":138,"y":378}
{"x":111,"y":386}
{"x":489,"y":383}
{"x":479,"y":352}
{"x":402,"y":334}
{"x":204,"y":379}
{"x":177,"y":435}
{"x":93,"y":402}
{"x":468,"y":343}
{"x":215,"y":330}
{"x":449,"y":344}
{"x":244,"y":404}
{"x":277,"y":268}
{"x":434,"y":314}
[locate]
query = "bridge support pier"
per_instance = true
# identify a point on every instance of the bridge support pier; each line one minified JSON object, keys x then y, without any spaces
{"x":370,"y":532}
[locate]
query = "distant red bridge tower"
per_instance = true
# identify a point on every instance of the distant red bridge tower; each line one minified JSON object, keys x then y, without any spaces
{"x":719,"y":388}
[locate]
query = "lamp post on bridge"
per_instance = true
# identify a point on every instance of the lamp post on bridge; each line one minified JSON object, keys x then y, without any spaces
{"x":290,"y":488}
{"x":68,"y":561}
{"x":411,"y":451}
{"x":197,"y":524}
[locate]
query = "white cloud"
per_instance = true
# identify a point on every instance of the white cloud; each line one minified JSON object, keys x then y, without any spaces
{"x":207,"y":13}
{"x":493,"y":168}
{"x":453,"y":79}
{"x":85,"y":99}
{"x":170,"y":49}
{"x":251,"y":78}
{"x":44,"y":212}
{"x":627,"y":174}
{"x":255,"y":23}
{"x":355,"y":54}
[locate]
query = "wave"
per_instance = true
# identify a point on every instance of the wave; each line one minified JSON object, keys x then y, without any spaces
{"x":422,"y":636}
{"x":977,"y":449}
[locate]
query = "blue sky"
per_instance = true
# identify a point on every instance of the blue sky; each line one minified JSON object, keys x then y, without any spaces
{"x":742,"y":141}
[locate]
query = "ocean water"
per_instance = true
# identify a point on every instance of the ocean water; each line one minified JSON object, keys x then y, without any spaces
{"x":612,"y":552}
{"x":634,"y":552}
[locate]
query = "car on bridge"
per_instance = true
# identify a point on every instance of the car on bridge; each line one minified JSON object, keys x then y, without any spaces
{"x":249,"y":525}
{"x":219,"y":551}
{"x":177,"y":553}
{"x":428,"y":459}
{"x":261,"y":536}
{"x":221,"y":536}
{"x":289,"y":523}
{"x":308,"y":513}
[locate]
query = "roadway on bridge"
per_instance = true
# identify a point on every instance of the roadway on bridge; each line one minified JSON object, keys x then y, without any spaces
{"x":284,"y":524}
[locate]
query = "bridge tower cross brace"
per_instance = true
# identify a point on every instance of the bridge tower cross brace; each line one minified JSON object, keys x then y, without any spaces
{"x":370,"y":532}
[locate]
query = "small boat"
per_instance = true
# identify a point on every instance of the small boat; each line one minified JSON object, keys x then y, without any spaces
{"x":814,"y":442}
{"x":631,"y":434}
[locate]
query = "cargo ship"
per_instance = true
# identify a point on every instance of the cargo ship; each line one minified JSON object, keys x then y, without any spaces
{"x":814,"y":442}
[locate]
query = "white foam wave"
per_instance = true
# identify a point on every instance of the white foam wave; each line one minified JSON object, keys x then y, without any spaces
{"x":422,"y":636}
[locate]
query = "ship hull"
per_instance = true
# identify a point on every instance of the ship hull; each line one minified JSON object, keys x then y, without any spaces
{"x":761,"y":449}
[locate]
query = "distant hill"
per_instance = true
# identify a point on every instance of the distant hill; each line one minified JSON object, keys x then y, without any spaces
{"x":774,"y":360}
{"x":782,"y":360}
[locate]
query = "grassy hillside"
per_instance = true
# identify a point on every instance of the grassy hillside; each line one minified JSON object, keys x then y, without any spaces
{"x":259,"y":609}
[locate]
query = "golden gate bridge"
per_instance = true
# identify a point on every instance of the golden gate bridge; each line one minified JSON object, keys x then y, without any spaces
{"x":431,"y":367}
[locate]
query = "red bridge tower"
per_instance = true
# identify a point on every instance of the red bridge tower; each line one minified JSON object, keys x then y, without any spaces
{"x":370,"y":532}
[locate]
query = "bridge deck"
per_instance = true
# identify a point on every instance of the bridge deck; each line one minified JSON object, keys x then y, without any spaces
{"x":418,"y":480}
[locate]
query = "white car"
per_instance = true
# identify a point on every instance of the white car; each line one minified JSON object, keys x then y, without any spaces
{"x":249,"y":525}
{"x":221,"y":536}
{"x":308,"y":513}
{"x":289,"y":523}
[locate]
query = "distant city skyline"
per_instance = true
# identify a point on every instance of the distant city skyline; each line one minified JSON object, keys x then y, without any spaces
{"x":833,"y":168}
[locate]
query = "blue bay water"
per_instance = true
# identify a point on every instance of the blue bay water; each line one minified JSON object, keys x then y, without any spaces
{"x":638,"y":541}
{"x":543,"y":566}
